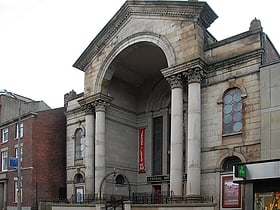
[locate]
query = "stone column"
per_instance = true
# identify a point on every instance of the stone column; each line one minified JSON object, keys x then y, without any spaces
{"x":89,"y":149}
{"x":176,"y":162}
{"x":99,"y":144}
{"x":194,"y":77}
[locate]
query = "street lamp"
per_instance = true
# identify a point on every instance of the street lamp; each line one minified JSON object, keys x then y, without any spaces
{"x":19,"y":182}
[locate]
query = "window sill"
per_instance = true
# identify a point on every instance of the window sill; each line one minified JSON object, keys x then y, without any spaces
{"x":232,"y":134}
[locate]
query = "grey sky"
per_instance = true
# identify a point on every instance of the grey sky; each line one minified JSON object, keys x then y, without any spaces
{"x":41,"y":39}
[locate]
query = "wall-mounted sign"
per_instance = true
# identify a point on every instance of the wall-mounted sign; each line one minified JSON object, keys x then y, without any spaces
{"x":231,"y":193}
{"x":13,"y":162}
{"x":158,"y":179}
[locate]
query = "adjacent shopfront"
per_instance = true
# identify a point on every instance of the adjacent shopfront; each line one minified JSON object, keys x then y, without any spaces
{"x":262,"y":183}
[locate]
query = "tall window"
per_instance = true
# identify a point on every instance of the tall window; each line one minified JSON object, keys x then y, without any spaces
{"x":21,"y":152}
{"x":157,"y":145}
{"x":16,"y":189}
{"x":78,"y":143}
{"x":232,"y":111}
{"x":4,"y":160}
{"x":21,"y":130}
{"x":5,"y":135}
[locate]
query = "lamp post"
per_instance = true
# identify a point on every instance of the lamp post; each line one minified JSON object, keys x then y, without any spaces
{"x":19,"y":181}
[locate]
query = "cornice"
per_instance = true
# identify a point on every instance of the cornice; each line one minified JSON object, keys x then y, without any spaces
{"x":93,"y":98}
{"x":198,"y":12}
{"x":184,"y":67}
{"x":236,"y":60}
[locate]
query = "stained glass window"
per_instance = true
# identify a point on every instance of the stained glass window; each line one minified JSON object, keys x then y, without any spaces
{"x":232,"y":111}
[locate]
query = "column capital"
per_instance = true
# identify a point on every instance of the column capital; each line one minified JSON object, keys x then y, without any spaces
{"x":175,"y":81}
{"x":88,"y":108}
{"x":195,"y":75}
{"x":101,"y":101}
{"x":100,"y":105}
{"x":96,"y":102}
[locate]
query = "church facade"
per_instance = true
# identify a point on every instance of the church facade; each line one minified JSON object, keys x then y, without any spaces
{"x":166,"y":107}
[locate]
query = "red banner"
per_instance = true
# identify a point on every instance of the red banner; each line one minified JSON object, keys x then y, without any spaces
{"x":142,"y":150}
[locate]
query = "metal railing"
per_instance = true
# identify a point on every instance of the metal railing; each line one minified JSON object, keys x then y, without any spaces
{"x":83,"y":198}
{"x":167,"y":198}
{"x":138,"y":198}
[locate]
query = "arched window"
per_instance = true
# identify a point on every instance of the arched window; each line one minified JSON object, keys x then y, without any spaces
{"x":78,"y":143}
{"x":232,"y":111}
{"x":79,"y":179}
{"x":229,"y":163}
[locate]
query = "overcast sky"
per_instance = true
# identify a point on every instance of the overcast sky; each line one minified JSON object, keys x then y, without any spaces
{"x":41,"y":39}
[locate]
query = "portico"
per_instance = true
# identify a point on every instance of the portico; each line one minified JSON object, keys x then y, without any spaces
{"x":150,"y":76}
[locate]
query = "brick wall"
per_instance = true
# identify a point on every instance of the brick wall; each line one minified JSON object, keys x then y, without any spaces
{"x":43,"y":158}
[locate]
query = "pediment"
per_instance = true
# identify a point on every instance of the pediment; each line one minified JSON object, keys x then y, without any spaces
{"x":194,"y":11}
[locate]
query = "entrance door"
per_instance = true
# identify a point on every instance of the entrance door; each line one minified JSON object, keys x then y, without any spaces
{"x":2,"y":194}
{"x":157,"y":193}
{"x":79,"y":194}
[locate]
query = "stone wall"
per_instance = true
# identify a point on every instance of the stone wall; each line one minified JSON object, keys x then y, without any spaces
{"x":270,"y":111}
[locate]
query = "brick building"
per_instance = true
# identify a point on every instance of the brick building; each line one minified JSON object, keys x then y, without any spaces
{"x":171,"y":109}
{"x":43,"y":151}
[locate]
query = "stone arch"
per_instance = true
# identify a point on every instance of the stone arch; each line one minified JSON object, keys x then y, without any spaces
{"x":76,"y":175}
{"x":160,"y":97}
{"x":105,"y":73}
{"x":232,"y":83}
{"x":79,"y":178}
{"x":230,"y":153}
{"x":83,"y":131}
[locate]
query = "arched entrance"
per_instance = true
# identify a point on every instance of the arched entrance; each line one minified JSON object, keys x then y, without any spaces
{"x":140,"y":100}
{"x":137,"y":73}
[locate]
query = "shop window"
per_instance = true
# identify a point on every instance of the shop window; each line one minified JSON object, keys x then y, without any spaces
{"x":267,"y":201}
{"x":78,"y":143}
{"x":232,"y":111}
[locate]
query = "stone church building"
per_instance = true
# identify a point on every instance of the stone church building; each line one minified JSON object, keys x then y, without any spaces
{"x":168,"y":108}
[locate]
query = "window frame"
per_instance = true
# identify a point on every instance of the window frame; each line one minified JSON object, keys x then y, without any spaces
{"x":5,"y":135}
{"x":4,"y":160}
{"x":79,"y":194}
{"x":16,"y":191}
{"x":21,"y":130}
{"x":233,"y":112}
{"x":157,"y":146}
{"x":78,"y":142}
{"x":21,"y":151}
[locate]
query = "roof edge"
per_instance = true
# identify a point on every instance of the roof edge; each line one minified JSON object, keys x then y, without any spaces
{"x":192,"y":10}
